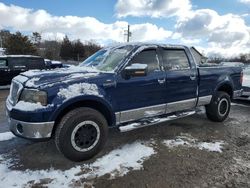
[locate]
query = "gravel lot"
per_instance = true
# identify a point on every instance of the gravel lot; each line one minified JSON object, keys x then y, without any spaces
{"x":189,"y":152}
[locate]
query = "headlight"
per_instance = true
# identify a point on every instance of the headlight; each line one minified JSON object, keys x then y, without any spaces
{"x":34,"y":96}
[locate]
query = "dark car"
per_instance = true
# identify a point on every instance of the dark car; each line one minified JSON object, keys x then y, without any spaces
{"x":13,"y":65}
{"x":124,"y":86}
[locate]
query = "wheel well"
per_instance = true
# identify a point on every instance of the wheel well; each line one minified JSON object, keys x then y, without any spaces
{"x":88,"y":103}
{"x":226,"y":88}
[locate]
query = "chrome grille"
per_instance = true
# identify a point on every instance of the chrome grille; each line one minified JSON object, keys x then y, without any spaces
{"x":15,"y":91}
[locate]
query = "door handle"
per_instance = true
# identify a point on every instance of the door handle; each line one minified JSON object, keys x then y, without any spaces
{"x":192,"y":77}
{"x":161,"y":81}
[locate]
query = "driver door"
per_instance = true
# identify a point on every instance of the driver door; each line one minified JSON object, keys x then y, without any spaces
{"x":142,"y":96}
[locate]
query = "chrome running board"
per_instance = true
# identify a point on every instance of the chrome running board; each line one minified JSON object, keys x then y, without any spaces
{"x":145,"y":122}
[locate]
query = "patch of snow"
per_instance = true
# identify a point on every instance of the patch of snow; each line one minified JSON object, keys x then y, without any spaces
{"x":21,"y":78}
{"x":6,"y":136}
{"x":83,"y":75}
{"x":31,"y":82}
{"x":189,"y":141}
{"x":79,"y":89}
{"x":28,"y":106}
{"x":116,"y":163}
{"x":72,"y":69}
{"x":241,"y":105}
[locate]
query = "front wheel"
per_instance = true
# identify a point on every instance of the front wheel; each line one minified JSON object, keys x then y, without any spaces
{"x":219,"y":108}
{"x":81,"y":134}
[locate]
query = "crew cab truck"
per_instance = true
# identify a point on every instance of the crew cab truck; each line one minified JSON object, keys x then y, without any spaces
{"x":124,"y":86}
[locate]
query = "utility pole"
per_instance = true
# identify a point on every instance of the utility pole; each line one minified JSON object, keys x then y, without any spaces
{"x":127,"y":33}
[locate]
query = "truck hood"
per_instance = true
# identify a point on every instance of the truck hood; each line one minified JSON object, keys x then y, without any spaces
{"x":47,"y":78}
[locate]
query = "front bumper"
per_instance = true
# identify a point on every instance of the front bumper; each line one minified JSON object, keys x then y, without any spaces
{"x":237,"y":93}
{"x":42,"y":130}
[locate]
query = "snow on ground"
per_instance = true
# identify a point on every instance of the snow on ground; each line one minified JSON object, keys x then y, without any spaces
{"x":189,"y":141}
{"x":79,"y":89}
{"x":241,"y":105}
{"x":116,"y":163}
{"x":27,"y":106}
{"x":6,"y":136}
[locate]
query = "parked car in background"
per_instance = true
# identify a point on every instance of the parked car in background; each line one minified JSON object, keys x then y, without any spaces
{"x":232,"y":64}
{"x":50,"y":64}
{"x":124,"y":86}
{"x":13,"y":65}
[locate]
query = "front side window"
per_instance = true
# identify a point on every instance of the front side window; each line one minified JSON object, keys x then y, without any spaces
{"x":148,"y":57}
{"x":175,"y":60}
{"x":3,"y":63}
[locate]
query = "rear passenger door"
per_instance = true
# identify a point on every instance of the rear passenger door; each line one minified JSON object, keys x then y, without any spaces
{"x":181,"y":80}
{"x":4,"y":72}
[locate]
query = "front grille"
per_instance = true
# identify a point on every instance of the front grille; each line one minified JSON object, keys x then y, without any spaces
{"x":15,"y":91}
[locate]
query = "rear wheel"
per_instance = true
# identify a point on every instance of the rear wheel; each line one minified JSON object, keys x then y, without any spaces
{"x":81,"y":134}
{"x":219,"y":108}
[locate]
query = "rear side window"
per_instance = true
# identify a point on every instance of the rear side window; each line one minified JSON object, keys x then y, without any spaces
{"x":35,"y":63}
{"x":18,"y":63}
{"x":148,"y":57}
{"x":175,"y":60}
{"x":3,"y":63}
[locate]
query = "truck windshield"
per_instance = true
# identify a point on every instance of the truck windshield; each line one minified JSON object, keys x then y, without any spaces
{"x":107,"y":59}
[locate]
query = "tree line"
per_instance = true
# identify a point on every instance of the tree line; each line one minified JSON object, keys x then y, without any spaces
{"x":20,"y":44}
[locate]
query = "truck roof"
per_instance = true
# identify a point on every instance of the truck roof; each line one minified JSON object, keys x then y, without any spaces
{"x":139,"y":44}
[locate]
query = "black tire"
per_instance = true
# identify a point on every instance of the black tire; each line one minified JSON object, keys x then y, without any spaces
{"x":219,"y":107}
{"x":78,"y":129}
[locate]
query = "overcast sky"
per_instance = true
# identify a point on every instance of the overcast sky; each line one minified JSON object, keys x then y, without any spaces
{"x":215,"y":27}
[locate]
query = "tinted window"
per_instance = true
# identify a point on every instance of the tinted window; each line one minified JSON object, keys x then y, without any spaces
{"x":18,"y":63}
{"x":35,"y":63}
{"x":148,"y":57}
{"x":3,"y":63}
{"x":175,"y":60}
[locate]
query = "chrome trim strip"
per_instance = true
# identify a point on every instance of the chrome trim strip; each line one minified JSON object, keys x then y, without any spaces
{"x":237,"y":93}
{"x":134,"y":114}
{"x":32,"y":130}
{"x":181,"y":105}
{"x":204,"y":100}
{"x":139,"y":113}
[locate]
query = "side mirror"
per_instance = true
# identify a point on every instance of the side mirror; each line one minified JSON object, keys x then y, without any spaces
{"x":203,"y":60}
{"x":136,"y":70}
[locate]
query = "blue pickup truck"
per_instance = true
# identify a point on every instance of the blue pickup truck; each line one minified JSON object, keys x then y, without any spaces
{"x":124,"y":86}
